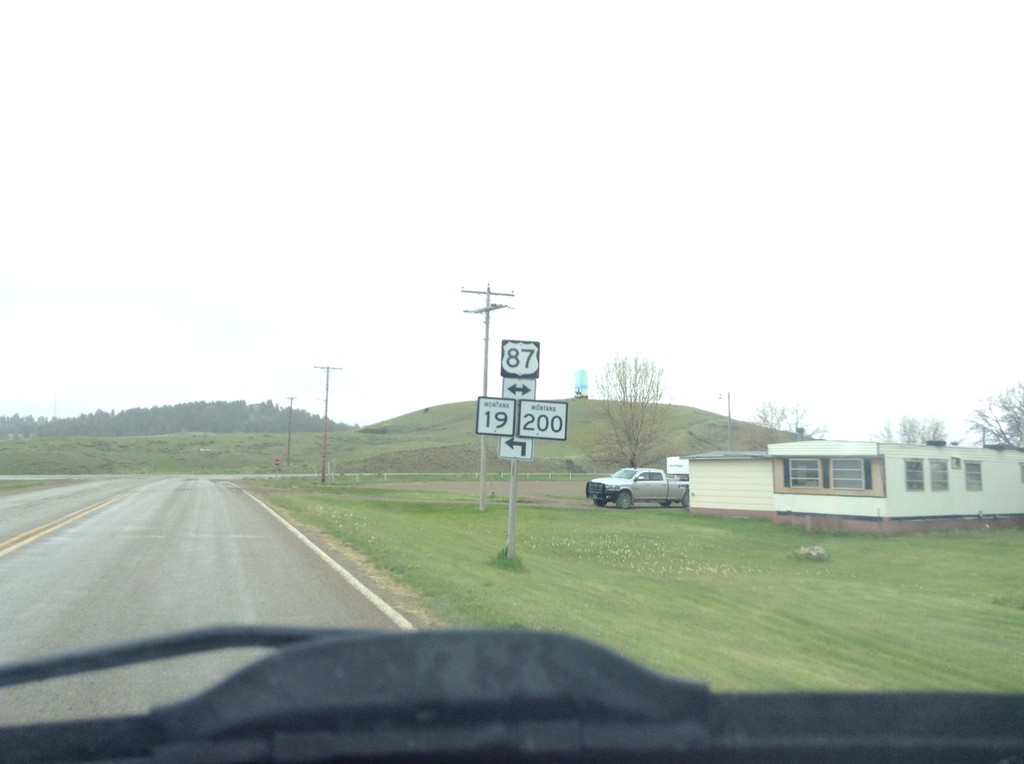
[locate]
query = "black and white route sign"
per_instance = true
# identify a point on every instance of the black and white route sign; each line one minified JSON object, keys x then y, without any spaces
{"x":495,"y":416}
{"x":515,"y":448}
{"x":543,"y":419}
{"x":520,"y":359}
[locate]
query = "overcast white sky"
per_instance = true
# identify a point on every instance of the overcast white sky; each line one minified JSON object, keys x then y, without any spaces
{"x":807,"y":203}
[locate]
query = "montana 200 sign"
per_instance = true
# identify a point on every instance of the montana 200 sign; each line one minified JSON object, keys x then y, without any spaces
{"x":543,"y":419}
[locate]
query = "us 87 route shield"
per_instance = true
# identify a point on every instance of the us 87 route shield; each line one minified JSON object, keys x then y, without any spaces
{"x":520,"y":359}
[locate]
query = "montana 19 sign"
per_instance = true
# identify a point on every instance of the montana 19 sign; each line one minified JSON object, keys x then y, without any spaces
{"x":495,"y":416}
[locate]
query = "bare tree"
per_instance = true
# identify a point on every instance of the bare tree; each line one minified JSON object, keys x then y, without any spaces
{"x":912,"y":431}
{"x":1001,"y":421}
{"x":799,"y":426}
{"x":884,"y":435}
{"x":918,"y":431}
{"x":783,"y":423}
{"x":631,"y":392}
{"x":770,"y":416}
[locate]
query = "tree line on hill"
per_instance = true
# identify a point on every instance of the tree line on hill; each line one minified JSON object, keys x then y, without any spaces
{"x":200,"y":416}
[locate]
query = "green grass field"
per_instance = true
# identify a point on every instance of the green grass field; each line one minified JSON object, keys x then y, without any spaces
{"x":19,"y":485}
{"x":724,"y":601}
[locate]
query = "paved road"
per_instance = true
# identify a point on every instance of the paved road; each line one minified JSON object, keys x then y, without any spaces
{"x":107,"y":560}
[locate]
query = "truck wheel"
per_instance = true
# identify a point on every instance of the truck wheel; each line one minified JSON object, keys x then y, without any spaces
{"x":599,"y":502}
{"x":624,"y":500}
{"x":665,"y":503}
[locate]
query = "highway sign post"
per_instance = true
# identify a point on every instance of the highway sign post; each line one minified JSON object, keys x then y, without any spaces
{"x":520,"y":362}
{"x":517,"y":417}
{"x":520,"y":368}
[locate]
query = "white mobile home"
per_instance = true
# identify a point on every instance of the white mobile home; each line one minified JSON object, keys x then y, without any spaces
{"x":731,"y":483}
{"x":874,"y":487}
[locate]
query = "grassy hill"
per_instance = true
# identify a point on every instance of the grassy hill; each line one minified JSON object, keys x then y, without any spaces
{"x":439,"y":439}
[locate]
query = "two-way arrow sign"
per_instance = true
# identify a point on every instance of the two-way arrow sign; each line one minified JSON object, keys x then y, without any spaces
{"x":520,"y":389}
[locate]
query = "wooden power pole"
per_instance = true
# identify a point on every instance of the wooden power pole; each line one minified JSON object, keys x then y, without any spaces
{"x":327,"y":390}
{"x":486,"y":310}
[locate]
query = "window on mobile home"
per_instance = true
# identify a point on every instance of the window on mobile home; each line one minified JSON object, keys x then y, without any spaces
{"x":939,"y":469}
{"x":848,"y":473}
{"x":805,"y":473}
{"x":972,"y":474}
{"x":915,"y":474}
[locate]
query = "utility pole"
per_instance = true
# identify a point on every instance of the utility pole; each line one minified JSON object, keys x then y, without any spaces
{"x":728,"y":403}
{"x":327,"y":390}
{"x":288,"y":453}
{"x":486,"y":310}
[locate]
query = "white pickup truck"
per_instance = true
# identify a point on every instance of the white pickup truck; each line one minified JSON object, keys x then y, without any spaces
{"x":630,"y":485}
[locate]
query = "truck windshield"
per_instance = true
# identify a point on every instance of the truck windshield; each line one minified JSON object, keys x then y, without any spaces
{"x":625,"y":473}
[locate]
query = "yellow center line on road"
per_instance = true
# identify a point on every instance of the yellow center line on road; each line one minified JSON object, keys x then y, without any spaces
{"x":22,"y":539}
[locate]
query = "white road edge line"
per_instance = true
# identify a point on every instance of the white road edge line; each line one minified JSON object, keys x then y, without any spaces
{"x":397,"y":618}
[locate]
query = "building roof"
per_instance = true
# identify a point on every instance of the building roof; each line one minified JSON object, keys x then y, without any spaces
{"x":824,"y":448}
{"x":708,"y":455}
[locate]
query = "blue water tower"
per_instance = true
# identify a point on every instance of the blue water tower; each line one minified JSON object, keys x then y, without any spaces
{"x":581,"y":384}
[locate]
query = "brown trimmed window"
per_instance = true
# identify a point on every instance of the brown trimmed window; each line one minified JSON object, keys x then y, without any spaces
{"x":804,"y":473}
{"x":848,"y":474}
{"x":841,"y":475}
